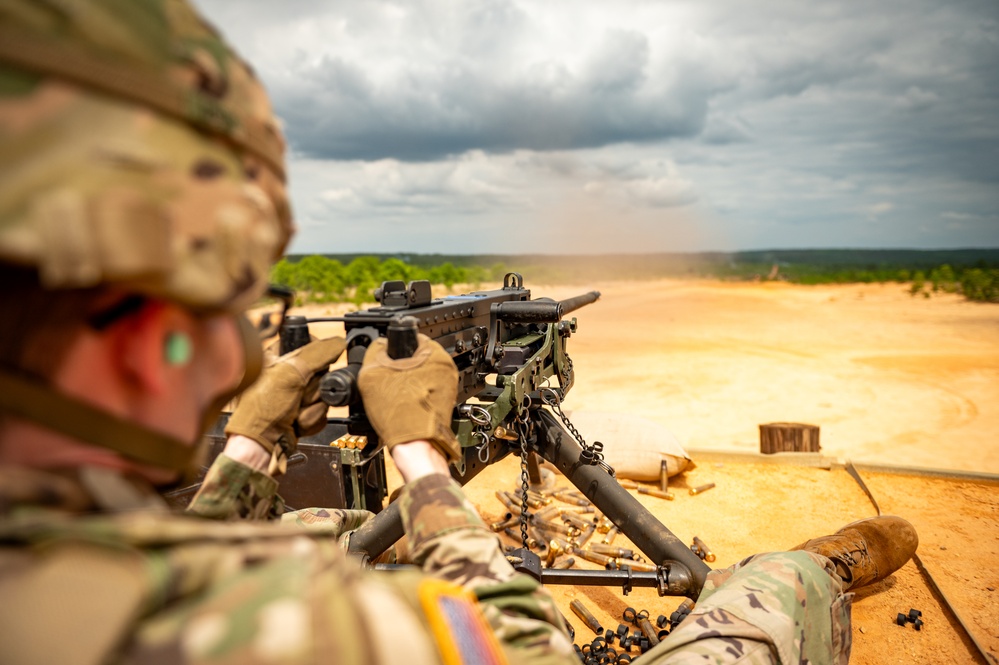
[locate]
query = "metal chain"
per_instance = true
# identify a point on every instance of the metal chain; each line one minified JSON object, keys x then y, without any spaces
{"x":590,"y":454}
{"x":524,"y":484}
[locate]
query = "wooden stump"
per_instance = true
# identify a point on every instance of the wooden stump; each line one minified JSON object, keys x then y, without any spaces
{"x":789,"y":437}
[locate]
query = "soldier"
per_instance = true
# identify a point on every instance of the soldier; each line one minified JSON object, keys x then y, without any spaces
{"x":142,"y":200}
{"x":142,"y":204}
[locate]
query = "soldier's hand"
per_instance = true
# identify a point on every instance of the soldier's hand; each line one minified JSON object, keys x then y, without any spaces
{"x":284,"y":403}
{"x":411,"y":399}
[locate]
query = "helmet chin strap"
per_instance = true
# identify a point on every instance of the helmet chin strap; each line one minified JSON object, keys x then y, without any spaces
{"x":43,"y":405}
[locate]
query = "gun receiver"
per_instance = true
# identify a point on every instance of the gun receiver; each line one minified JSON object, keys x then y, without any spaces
{"x":501,"y":332}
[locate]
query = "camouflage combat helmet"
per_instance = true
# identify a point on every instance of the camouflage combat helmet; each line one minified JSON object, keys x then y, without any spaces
{"x":136,"y":151}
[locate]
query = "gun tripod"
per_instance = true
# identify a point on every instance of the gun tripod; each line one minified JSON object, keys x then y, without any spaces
{"x":680,"y":572}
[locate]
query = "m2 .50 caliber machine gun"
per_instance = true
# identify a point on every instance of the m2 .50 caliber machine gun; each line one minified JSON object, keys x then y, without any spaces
{"x":514,"y":373}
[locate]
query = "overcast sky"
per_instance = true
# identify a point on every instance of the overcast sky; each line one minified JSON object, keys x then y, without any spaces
{"x":555,"y":126}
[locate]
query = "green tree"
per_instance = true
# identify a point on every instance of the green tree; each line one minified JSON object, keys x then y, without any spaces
{"x":980,"y":285}
{"x":447,"y":274}
{"x":394,"y":269}
{"x":362,"y":270}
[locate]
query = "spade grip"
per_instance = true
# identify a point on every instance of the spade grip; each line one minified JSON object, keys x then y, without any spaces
{"x":401,"y":336}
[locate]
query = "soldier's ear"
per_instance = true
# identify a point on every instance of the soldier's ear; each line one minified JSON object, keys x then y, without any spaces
{"x":151,"y":344}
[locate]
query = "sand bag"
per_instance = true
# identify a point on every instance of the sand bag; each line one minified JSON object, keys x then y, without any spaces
{"x":633,"y":446}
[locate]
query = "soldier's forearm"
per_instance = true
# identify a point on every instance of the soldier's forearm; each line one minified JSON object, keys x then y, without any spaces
{"x":418,"y":459}
{"x":246,"y":451}
{"x":234,"y":489}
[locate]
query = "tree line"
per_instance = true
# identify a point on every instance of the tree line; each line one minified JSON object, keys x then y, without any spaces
{"x":319,"y":278}
{"x":322,"y":279}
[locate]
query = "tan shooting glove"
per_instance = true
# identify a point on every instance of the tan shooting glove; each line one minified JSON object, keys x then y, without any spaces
{"x":284,"y":403}
{"x":411,"y":399}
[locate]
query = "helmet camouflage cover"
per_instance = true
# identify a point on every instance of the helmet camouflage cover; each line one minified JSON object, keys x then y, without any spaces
{"x":136,"y":149}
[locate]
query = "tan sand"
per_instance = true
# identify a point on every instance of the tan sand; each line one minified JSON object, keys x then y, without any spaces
{"x":889,"y":379}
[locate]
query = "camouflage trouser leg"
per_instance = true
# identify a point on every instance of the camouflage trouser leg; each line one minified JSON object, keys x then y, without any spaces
{"x":783,"y":607}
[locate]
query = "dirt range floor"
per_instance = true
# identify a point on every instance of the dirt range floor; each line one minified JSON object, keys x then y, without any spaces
{"x":890,"y":380}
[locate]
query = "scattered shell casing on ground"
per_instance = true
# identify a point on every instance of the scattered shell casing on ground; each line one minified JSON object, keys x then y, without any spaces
{"x":643,"y":566}
{"x":564,"y":564}
{"x":610,"y":550}
{"x":701,"y":488}
{"x":510,"y":521}
{"x":628,"y":484}
{"x":709,"y":556}
{"x":605,"y":525}
{"x":576,"y":521}
{"x":611,"y":535}
{"x":508,"y":501}
{"x":585,"y":536}
{"x":546,"y":513}
{"x":554,"y":549}
{"x":594,"y":557}
{"x":657,"y":493}
{"x":558,"y":527}
{"x":538,"y":537}
{"x":531,"y":541}
{"x":646,"y":626}
{"x":663,"y":475}
{"x":584,"y":614}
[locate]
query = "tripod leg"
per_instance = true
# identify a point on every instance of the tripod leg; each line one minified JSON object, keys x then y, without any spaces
{"x":687,"y":571}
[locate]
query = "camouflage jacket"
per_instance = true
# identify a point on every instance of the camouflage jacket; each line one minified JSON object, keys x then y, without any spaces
{"x":81,"y":584}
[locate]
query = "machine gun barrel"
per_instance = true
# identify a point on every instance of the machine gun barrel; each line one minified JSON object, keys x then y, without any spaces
{"x":541,"y":310}
{"x":572,"y":304}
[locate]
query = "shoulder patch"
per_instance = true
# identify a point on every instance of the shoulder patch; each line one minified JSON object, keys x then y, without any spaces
{"x":462,"y":635}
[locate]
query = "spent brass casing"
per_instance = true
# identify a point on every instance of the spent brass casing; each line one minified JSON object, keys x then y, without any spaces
{"x":531,"y":541}
{"x":646,"y":626}
{"x":663,"y":475}
{"x":508,"y":501}
{"x":585,"y":536}
{"x":576,"y":521}
{"x":589,"y":555}
{"x":584,"y":614}
{"x":651,"y":492}
{"x":554,"y":549}
{"x":605,"y":525}
{"x":568,"y":562}
{"x":534,"y":496}
{"x":546,"y":513}
{"x":503,"y":433}
{"x":702,"y":488}
{"x":644,"y":566}
{"x":628,"y":484}
{"x":709,"y":556}
{"x":610,"y":550}
{"x":558,"y":527}
{"x":509,"y":522}
{"x":611,"y":535}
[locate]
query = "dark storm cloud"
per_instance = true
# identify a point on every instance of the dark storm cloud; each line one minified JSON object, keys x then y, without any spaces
{"x":792,"y":123}
{"x":333,"y":109}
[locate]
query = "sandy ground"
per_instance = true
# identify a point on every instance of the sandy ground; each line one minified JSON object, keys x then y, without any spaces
{"x":889,"y":379}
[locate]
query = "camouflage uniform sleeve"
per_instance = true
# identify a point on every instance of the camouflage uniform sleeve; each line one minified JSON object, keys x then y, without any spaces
{"x":449,"y":540}
{"x":233,"y":490}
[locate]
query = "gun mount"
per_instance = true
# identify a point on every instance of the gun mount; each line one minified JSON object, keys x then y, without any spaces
{"x":514,"y":372}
